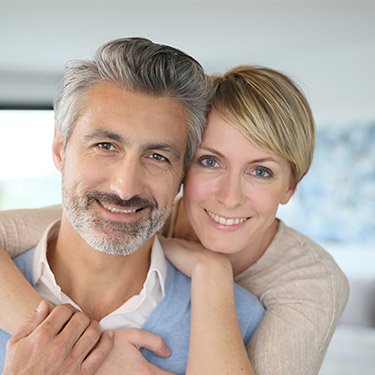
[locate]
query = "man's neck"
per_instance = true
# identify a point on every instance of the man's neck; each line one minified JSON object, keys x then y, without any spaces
{"x":97,"y":282}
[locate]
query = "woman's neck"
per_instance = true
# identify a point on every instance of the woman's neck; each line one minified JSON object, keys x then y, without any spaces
{"x":243,"y":260}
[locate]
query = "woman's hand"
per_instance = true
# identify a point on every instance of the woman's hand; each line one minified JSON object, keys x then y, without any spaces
{"x":126,"y":358}
{"x":191,"y":257}
{"x":61,"y":341}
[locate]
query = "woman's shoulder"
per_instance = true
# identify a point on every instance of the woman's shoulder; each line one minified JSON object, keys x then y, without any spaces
{"x":295,"y":265}
{"x":292,"y":250}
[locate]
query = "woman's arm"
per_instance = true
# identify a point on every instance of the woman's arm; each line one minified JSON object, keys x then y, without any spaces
{"x":19,"y":231}
{"x":305,"y":293}
{"x":216,"y":344}
{"x":18,"y":297}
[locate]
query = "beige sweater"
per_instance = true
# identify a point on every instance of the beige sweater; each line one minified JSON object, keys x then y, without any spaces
{"x":301,"y":286}
{"x":304,"y":292}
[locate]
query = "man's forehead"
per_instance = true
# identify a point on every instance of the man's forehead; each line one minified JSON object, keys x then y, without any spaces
{"x":111,"y":108}
{"x":105,"y":98}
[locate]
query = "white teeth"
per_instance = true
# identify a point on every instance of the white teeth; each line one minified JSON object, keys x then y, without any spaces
{"x":227,"y":222}
{"x":118,"y":210}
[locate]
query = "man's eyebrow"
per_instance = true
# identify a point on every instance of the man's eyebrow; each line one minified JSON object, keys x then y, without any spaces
{"x":164,"y":147}
{"x":103,"y":133}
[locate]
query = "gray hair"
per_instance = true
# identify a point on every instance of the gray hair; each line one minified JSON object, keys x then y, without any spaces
{"x":142,"y":66}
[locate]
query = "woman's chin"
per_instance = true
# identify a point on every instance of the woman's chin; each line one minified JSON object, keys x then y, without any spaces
{"x":224,"y":247}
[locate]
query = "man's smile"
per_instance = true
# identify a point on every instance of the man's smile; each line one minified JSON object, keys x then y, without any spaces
{"x":118,"y":210}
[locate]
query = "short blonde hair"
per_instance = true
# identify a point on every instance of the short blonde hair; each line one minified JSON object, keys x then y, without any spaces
{"x":270,"y":110}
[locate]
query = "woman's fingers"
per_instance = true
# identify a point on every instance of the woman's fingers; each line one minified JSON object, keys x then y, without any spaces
{"x":189,"y":256}
{"x":178,"y":254}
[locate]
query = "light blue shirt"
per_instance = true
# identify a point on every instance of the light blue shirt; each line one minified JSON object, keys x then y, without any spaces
{"x":171,"y":318}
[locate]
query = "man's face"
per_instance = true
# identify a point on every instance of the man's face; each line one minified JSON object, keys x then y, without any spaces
{"x":122,"y":166}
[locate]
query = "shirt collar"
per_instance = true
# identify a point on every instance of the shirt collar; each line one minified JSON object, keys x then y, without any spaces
{"x":158,"y":263}
{"x":41,"y":266}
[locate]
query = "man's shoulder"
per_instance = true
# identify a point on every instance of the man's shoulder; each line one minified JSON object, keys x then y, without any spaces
{"x":177,"y":283}
{"x":171,"y":318}
{"x":25,"y":263}
{"x":250,"y":310}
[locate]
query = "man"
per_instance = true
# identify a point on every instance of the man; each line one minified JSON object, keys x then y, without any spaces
{"x":127,"y":125}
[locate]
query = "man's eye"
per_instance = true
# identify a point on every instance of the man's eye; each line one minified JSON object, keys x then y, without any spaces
{"x":105,"y":146}
{"x":208,"y":162}
{"x":262,"y":172}
{"x":158,"y":157}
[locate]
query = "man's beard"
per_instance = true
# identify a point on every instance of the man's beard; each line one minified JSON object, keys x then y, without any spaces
{"x":113,"y":237}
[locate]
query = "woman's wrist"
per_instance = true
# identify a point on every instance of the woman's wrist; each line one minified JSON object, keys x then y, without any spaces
{"x":213,"y":266}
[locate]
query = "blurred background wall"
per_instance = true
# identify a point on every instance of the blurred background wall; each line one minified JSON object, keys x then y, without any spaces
{"x":327,"y":46}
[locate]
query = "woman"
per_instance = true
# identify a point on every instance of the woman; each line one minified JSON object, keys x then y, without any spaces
{"x":257,"y":147}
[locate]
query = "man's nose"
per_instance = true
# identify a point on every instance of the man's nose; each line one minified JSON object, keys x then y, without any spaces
{"x":128,"y":178}
{"x":230,"y":190}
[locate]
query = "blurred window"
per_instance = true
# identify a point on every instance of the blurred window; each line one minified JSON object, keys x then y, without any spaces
{"x":28,"y":177}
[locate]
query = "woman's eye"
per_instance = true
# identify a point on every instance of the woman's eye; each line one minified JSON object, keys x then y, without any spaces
{"x":208,"y":162}
{"x":105,"y":146}
{"x":262,"y":172}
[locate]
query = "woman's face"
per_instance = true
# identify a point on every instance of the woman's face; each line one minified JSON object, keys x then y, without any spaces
{"x":233,"y":189}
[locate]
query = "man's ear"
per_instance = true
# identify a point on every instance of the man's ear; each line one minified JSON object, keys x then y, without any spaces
{"x":181,"y":184}
{"x":180,"y":188}
{"x":58,"y":149}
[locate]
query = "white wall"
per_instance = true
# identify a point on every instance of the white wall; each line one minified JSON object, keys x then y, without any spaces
{"x":328,"y":47}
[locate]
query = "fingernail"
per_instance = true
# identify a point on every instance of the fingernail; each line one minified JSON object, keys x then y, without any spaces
{"x":40,"y":307}
{"x":110,"y":333}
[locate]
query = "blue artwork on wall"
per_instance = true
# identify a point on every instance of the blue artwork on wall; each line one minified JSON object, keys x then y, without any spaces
{"x":335,"y":202}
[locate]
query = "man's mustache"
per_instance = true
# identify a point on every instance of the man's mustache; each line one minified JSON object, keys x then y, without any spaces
{"x":114,"y":199}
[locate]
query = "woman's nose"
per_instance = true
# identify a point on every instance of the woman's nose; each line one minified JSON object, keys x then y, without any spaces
{"x":229,"y":191}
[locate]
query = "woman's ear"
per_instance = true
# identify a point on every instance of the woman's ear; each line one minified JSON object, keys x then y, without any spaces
{"x":58,"y":149}
{"x":289,"y":193}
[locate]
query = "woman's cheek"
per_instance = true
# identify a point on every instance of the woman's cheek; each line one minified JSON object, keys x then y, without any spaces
{"x":199,"y":186}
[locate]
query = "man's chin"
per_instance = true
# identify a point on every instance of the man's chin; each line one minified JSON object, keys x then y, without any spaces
{"x":115,"y":242}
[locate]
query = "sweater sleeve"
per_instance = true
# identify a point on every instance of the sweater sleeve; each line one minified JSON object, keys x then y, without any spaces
{"x":22,"y":228}
{"x":304,"y":293}
{"x":293,"y":337}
